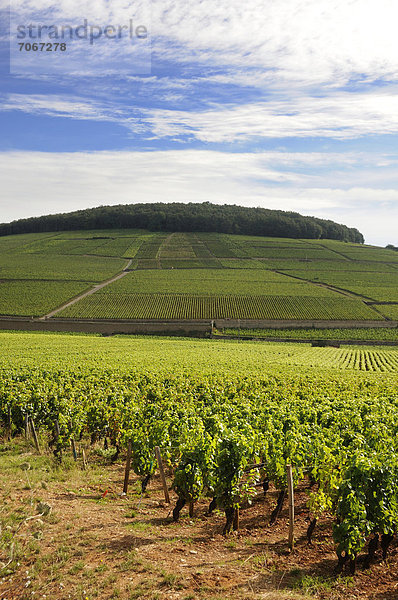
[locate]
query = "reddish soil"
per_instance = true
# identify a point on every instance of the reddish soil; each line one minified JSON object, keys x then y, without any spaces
{"x":128,"y":547}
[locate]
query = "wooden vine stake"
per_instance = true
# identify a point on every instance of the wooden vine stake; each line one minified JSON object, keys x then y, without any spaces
{"x":84,"y":460}
{"x":34,"y":434}
{"x":127,"y":469}
{"x":290,"y":491}
{"x":74,"y":452}
{"x":57,"y":433}
{"x":162,"y":475}
{"x":72,"y":443}
{"x":26,"y":424}
{"x":236,"y":520}
{"x":9,"y":423}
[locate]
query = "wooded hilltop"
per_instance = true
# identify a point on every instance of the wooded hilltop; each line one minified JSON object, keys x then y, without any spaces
{"x":205,"y":217}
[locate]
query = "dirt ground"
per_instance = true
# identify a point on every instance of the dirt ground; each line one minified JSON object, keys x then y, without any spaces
{"x":96,"y":543}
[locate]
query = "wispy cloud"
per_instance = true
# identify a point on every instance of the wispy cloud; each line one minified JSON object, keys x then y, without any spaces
{"x":294,"y":42}
{"x":57,"y":106}
{"x":100,"y":37}
{"x":322,"y":41}
{"x":339,"y":116}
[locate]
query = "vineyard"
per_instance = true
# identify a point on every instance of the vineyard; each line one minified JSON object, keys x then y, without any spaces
{"x":195,"y":276}
{"x":228,"y":418}
{"x":229,"y":281}
{"x":58,"y":351}
{"x":225,"y":435}
{"x":390,"y":310}
{"x":184,"y":306}
{"x":365,"y":334}
{"x":33,"y":297}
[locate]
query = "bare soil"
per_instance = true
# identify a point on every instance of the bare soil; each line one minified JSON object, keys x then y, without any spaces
{"x":96,"y":543}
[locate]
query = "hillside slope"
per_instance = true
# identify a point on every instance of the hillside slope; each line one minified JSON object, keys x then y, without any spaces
{"x":195,"y":276}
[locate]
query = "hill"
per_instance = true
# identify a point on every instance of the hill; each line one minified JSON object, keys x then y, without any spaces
{"x":138,"y":274}
{"x":203,"y":217}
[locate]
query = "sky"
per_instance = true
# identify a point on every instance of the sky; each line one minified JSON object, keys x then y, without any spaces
{"x":285,"y":104}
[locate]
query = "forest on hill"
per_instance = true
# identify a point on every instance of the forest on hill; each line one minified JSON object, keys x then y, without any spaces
{"x":205,"y":217}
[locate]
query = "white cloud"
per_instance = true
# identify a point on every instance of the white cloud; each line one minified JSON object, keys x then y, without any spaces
{"x":339,"y":116}
{"x":35,"y":183}
{"x":323,"y":41}
{"x":95,"y":51}
{"x":300,"y":41}
{"x":56,"y":106}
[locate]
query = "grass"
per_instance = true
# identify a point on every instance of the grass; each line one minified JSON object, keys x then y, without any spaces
{"x":77,"y":567}
{"x":139,"y":525}
{"x":313,"y":585}
{"x":186,"y":540}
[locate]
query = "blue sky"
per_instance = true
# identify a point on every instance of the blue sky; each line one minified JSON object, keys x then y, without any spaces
{"x":289,"y":105}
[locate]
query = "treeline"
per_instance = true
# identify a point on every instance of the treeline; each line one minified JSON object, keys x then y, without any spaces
{"x":189,"y":217}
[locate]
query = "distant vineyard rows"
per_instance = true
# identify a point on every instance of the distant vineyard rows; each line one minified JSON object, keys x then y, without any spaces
{"x":170,"y":306}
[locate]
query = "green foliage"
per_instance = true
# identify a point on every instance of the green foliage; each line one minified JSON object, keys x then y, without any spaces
{"x":387,"y":334}
{"x":205,"y":274}
{"x":151,"y":246}
{"x":185,"y":306}
{"x":215,"y":427}
{"x":390,"y":310}
{"x":235,"y":452}
{"x":367,"y":499}
{"x":52,"y":267}
{"x":189,"y":217}
{"x":35,"y":298}
{"x":377,"y":286}
{"x":190,"y":263}
{"x":195,"y":469}
{"x":215,"y":282}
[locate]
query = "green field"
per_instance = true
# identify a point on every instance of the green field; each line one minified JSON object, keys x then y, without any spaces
{"x":196,"y":276}
{"x":382,"y":286}
{"x":247,"y":282}
{"x":59,"y":267}
{"x":358,"y":334}
{"x":390,"y":310}
{"x":33,"y":298}
{"x":173,"y":306}
{"x":161,"y":354}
